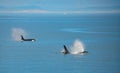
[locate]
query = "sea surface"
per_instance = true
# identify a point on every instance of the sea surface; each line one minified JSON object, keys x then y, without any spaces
{"x":99,"y":33}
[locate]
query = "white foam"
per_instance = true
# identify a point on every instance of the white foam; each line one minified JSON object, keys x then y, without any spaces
{"x":17,"y":32}
{"x":77,"y":47}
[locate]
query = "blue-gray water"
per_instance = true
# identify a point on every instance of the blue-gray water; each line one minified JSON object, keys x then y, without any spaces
{"x":99,"y":33}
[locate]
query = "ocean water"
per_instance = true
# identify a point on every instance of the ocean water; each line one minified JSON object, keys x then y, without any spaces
{"x":100,"y":35}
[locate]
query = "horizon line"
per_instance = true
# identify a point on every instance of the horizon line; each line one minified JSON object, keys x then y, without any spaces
{"x":60,"y":12}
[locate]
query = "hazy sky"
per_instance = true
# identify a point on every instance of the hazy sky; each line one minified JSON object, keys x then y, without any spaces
{"x":59,"y":6}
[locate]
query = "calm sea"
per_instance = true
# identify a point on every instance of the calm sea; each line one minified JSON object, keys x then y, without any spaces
{"x":100,"y":35}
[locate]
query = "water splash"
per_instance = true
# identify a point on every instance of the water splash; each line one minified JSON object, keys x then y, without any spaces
{"x":77,"y":47}
{"x":17,"y":32}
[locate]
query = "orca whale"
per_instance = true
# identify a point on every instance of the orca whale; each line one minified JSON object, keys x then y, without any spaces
{"x":23,"y":39}
{"x":67,"y":52}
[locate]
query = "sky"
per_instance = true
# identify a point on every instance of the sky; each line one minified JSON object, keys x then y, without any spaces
{"x":60,"y":6}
